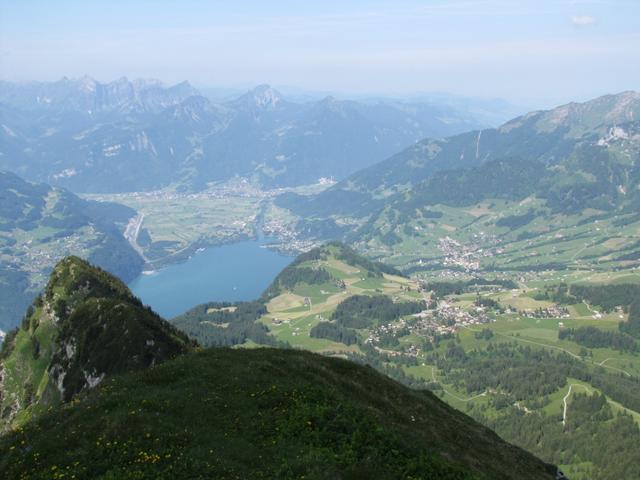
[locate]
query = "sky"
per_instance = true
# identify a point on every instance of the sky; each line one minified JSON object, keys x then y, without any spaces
{"x":538,"y":53}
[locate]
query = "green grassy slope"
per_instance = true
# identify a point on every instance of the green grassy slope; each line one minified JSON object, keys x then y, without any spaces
{"x":262,"y":413}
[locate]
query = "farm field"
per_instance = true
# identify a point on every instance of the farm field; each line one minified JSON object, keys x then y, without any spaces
{"x":586,"y":246}
{"x":170,"y":224}
{"x":292,"y":314}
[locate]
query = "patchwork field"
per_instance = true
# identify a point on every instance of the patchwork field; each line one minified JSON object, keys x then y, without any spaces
{"x":292,"y":314}
{"x":490,"y":236}
{"x":170,"y":226}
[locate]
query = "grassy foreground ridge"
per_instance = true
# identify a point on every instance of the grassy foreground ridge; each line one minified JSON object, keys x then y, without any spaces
{"x":263,"y":413}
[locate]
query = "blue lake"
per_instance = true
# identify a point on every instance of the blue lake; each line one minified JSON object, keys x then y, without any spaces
{"x":239,"y":271}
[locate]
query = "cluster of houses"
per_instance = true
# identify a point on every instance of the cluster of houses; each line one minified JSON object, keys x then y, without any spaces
{"x":554,"y":311}
{"x":37,"y":257}
{"x":239,"y":188}
{"x":375,"y":335}
{"x":288,"y":241}
{"x":447,"y":318}
{"x":468,"y":257}
{"x":444,"y":319}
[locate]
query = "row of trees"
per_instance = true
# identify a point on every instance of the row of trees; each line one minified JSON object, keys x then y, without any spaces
{"x":442,"y":289}
{"x":592,"y":337}
{"x":632,"y":326}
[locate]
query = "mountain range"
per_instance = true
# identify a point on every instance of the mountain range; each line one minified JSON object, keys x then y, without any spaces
{"x":491,"y":223}
{"x":141,"y":135}
{"x":577,"y":159}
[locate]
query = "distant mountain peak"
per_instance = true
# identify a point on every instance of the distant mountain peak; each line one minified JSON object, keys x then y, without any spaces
{"x":87,"y":95}
{"x":121,"y":80}
{"x":87,"y":83}
{"x":279,"y":140}
{"x":329,"y":100}
{"x":579,"y":117}
{"x":184,"y":84}
{"x":332,"y":104}
{"x":264,"y":97}
{"x":193,"y":109}
{"x":147,"y":83}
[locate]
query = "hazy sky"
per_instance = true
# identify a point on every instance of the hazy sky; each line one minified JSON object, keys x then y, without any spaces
{"x":535,"y":52}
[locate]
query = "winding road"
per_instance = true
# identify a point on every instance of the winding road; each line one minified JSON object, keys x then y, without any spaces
{"x":131,"y":232}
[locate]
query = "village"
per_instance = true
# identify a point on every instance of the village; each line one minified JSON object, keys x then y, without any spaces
{"x":443,"y":319}
{"x":37,"y":257}
{"x":285,"y":238}
{"x":467,"y":257}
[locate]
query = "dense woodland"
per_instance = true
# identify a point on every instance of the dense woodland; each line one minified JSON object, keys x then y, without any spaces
{"x":333,"y":331}
{"x":517,"y":221}
{"x":226,"y":324}
{"x":349,"y":256}
{"x":363,"y":311}
{"x":632,"y":326}
{"x":522,"y":378}
{"x":604,"y":445}
{"x":592,"y":337}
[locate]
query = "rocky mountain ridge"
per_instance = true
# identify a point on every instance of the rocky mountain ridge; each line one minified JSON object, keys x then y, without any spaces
{"x":132,"y":135}
{"x":85,"y":326}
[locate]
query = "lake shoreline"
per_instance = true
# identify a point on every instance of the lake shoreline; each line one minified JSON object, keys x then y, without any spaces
{"x":230,"y":272}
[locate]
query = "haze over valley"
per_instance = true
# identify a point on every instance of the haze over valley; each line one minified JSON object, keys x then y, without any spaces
{"x":320,"y":241}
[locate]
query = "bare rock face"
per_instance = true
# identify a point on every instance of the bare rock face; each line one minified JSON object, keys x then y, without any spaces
{"x":85,"y":326}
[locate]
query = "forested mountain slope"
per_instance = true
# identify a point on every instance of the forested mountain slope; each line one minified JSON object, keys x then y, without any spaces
{"x":571,"y":140}
{"x":500,"y":195}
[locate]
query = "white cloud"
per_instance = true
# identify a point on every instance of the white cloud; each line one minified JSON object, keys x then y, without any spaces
{"x":583,"y":20}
